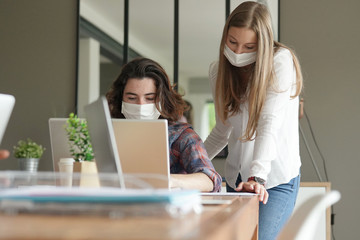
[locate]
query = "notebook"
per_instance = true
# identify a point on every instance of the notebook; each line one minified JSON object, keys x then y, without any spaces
{"x":105,"y":201}
{"x":102,"y":138}
{"x":7,"y":103}
{"x":144,"y":149}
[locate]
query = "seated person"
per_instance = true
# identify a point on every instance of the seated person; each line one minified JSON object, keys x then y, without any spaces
{"x":187,"y":116}
{"x":143,"y":91}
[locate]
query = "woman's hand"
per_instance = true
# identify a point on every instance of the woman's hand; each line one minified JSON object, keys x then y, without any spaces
{"x":254,"y":187}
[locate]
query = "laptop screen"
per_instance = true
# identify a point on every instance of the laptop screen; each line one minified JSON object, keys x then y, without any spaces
{"x":103,"y":139}
{"x":7,"y":103}
{"x":144,"y":149}
{"x":59,"y":141}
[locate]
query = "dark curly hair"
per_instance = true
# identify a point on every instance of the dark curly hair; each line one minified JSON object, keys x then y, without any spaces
{"x":169,"y":103}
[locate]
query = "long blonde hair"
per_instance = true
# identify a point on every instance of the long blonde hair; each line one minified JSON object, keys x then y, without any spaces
{"x":231,"y":91}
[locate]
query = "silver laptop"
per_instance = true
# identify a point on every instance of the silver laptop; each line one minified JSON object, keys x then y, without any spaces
{"x":7,"y":103}
{"x":60,"y":147}
{"x":144,"y":150}
{"x":103,"y":139}
{"x":59,"y":142}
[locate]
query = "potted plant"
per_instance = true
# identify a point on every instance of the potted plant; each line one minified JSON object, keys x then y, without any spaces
{"x":28,"y":154}
{"x":81,"y":149}
{"x":79,"y":139}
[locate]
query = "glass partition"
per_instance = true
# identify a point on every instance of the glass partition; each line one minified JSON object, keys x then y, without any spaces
{"x":200,"y":28}
{"x":151,"y":31}
{"x":151,"y":34}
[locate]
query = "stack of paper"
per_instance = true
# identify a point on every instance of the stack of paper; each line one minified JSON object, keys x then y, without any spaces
{"x":99,"y":201}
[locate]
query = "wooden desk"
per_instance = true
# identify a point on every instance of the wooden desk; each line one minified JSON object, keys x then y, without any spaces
{"x":237,"y":220}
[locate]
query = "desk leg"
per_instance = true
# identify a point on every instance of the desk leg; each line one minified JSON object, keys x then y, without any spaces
{"x":239,"y":220}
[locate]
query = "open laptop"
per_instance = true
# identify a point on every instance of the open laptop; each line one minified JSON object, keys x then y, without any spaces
{"x":138,"y":148}
{"x":59,"y":142}
{"x":144,"y":150}
{"x":7,"y":103}
{"x":60,"y":147}
{"x":103,"y":139}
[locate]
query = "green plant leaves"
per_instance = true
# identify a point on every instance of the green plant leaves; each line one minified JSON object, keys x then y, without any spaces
{"x":79,"y":139}
{"x":28,"y":149}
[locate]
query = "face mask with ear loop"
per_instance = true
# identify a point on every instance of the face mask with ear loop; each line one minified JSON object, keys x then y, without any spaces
{"x":139,"y":111}
{"x":239,"y":60}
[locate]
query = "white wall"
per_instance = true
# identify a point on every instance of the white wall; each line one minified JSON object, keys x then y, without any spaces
{"x":326,"y":37}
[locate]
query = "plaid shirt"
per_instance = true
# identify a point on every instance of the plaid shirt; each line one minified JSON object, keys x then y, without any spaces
{"x":188,"y":154}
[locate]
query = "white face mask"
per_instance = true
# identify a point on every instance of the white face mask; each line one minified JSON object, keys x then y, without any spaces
{"x":239,"y":60}
{"x":139,"y":111}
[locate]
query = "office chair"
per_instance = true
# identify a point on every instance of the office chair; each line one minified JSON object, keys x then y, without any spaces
{"x":303,"y":222}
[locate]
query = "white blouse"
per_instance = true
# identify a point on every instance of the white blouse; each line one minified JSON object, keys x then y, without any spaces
{"x":274,"y":154}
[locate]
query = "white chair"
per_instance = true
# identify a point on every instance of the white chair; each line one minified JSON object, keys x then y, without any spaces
{"x":303,"y":222}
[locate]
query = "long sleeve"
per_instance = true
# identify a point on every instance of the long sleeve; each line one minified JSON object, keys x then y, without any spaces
{"x":274,"y":154}
{"x":274,"y":117}
{"x":219,"y":136}
{"x":188,"y":154}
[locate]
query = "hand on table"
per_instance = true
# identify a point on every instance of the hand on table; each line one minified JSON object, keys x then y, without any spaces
{"x":254,"y":187}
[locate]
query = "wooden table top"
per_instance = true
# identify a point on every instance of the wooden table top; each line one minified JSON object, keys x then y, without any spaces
{"x":237,"y":219}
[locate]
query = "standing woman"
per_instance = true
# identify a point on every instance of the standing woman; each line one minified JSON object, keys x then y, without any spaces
{"x":256,"y":84}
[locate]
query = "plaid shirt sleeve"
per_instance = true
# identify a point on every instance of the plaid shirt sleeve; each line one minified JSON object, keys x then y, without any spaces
{"x":189,"y":154}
